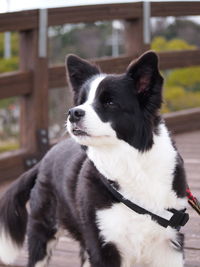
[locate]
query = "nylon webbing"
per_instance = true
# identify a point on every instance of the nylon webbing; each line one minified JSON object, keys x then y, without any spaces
{"x":178,"y":219}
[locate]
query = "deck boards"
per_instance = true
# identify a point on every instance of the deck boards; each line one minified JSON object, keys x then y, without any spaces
{"x":66,"y":253}
{"x":189,"y":147}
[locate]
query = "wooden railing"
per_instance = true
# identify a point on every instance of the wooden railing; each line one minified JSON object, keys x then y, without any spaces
{"x":35,"y":77}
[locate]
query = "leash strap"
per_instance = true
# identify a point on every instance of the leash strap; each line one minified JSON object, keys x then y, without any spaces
{"x":193,"y":201}
{"x":178,"y":219}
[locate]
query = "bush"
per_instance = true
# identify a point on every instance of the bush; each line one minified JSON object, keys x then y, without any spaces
{"x":8,"y":146}
{"x":160,"y":44}
{"x":10,"y":64}
{"x":176,"y":98}
{"x":182,"y":86}
{"x":188,"y":78}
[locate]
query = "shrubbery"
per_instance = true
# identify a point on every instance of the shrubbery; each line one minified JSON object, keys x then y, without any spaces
{"x":182,"y":86}
{"x":8,"y":146}
{"x":10,"y":64}
{"x":176,"y":98}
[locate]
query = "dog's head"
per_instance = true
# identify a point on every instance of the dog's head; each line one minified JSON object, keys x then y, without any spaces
{"x":109,"y":108}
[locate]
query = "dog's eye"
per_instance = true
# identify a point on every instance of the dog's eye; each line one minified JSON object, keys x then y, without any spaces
{"x":107,"y":100}
{"x":109,"y":103}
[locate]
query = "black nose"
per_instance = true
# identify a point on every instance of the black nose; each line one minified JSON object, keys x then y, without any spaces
{"x":75,"y":114}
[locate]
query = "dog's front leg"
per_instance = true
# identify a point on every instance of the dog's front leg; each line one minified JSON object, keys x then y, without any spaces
{"x":105,"y":256}
{"x":99,"y":253}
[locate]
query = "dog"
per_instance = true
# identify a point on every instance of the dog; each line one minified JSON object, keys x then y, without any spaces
{"x":114,"y":185}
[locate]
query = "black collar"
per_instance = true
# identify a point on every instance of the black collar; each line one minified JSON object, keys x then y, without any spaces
{"x":178,"y":219}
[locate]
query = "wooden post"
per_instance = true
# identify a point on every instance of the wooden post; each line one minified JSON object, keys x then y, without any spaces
{"x":135,"y":32}
{"x":34,"y":107}
{"x":134,"y":43}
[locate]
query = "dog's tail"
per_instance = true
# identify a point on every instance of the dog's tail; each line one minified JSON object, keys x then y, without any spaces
{"x":13,"y":215}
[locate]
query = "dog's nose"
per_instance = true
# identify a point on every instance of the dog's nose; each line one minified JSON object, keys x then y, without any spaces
{"x":75,"y":114}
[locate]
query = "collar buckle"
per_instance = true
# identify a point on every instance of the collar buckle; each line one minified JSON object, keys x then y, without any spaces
{"x":179,"y":219}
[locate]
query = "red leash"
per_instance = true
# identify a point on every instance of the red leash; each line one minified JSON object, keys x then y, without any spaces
{"x":193,"y":201}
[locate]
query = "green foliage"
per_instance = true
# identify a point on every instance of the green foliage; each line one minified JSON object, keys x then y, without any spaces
{"x":10,"y":64}
{"x":188,"y":78}
{"x":182,"y":86}
{"x":178,"y":44}
{"x":176,"y":98}
{"x":8,"y":146}
{"x":5,"y":103}
{"x":160,"y":44}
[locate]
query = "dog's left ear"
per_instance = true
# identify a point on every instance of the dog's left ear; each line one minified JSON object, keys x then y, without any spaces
{"x":79,"y":71}
{"x":146,"y":77}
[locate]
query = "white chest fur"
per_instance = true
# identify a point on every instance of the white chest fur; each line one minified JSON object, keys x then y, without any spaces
{"x":146,"y":179}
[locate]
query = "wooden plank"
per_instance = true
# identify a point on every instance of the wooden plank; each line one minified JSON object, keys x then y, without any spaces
{"x":34,"y":107}
{"x":19,"y":83}
{"x":57,"y":74}
{"x":11,"y":165}
{"x":184,"y":8}
{"x":168,"y":60}
{"x":179,"y":59}
{"x":91,"y":13}
{"x":15,"y":84}
{"x":114,"y":65}
{"x":25,"y":20}
{"x":183,"y":121}
{"x":189,"y":147}
{"x":18,"y":21}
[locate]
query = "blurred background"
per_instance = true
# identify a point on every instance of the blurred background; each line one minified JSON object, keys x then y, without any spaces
{"x":35,"y":97}
{"x":106,"y":38}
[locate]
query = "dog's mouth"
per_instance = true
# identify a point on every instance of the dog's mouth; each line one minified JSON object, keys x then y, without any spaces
{"x":79,"y":132}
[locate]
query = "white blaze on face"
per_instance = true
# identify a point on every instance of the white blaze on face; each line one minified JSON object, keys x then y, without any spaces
{"x":93,"y":88}
{"x":100,"y":133}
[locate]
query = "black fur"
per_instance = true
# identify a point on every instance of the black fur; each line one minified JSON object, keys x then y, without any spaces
{"x":179,"y":182}
{"x":13,"y":213}
{"x":179,"y":244}
{"x":62,"y":183}
{"x":78,"y":72}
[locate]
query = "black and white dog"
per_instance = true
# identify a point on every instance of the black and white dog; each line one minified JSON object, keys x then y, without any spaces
{"x":120,"y":147}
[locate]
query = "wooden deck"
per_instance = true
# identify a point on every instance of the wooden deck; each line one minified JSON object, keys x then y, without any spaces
{"x":66,"y":254}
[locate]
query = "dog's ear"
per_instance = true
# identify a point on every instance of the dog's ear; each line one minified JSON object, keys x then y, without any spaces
{"x":79,"y":71}
{"x":146,"y":78}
